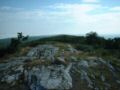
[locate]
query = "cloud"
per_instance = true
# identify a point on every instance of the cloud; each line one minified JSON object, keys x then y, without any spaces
{"x":117,"y":8}
{"x":90,"y":1}
{"x":62,"y":18}
{"x":80,"y":14}
{"x":77,"y":12}
{"x":8,"y":8}
{"x":78,"y":7}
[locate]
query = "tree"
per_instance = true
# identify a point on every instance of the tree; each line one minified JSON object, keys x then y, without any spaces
{"x":16,"y":41}
{"x":20,"y":36}
{"x":91,"y":38}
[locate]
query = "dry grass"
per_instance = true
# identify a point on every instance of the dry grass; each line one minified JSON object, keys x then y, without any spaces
{"x":37,"y":63}
{"x":24,"y":50}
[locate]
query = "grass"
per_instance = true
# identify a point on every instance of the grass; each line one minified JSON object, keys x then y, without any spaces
{"x":37,"y":62}
{"x":91,"y":54}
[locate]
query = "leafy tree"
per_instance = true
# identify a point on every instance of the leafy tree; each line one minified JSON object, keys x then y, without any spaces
{"x":91,"y":38}
{"x":15,"y":42}
{"x":19,"y":36}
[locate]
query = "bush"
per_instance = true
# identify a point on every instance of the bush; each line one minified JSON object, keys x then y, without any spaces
{"x":84,"y":47}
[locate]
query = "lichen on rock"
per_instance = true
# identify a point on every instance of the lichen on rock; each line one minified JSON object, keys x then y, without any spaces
{"x":47,"y":67}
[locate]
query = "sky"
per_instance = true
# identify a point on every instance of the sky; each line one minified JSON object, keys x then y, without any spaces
{"x":50,"y":17}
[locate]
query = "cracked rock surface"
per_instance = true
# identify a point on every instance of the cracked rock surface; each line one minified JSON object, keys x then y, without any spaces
{"x":50,"y":67}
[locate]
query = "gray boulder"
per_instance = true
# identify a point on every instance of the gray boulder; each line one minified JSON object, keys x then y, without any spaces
{"x":43,"y":51}
{"x":50,"y":77}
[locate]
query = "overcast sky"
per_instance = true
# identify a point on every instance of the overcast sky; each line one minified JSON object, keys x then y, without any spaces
{"x":49,"y":17}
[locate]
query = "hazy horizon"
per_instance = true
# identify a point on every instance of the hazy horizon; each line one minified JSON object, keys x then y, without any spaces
{"x":45,"y":17}
{"x":101,"y":35}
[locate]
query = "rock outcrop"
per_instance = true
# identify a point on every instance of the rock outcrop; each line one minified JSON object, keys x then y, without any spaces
{"x":43,"y":51}
{"x":45,"y":67}
{"x":50,"y":77}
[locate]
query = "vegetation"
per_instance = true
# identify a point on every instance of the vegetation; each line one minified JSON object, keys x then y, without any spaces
{"x":91,"y":43}
{"x":14,"y":45}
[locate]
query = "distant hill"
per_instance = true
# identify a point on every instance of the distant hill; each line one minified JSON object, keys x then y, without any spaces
{"x":111,"y":36}
{"x":89,"y":43}
{"x":5,"y":42}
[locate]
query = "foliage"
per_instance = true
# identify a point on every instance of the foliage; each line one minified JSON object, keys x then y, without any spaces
{"x":92,"y":43}
{"x":14,"y":45}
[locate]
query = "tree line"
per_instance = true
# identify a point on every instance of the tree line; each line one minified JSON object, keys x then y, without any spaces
{"x":91,"y":41}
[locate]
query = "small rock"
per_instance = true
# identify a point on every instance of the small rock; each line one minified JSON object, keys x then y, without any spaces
{"x":71,"y":49}
{"x":72,"y":58}
{"x":9,"y":79}
{"x":84,"y":64}
{"x":60,"y":59}
{"x":102,"y":78}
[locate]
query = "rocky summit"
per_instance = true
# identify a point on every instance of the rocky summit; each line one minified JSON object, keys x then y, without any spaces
{"x":58,"y":67}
